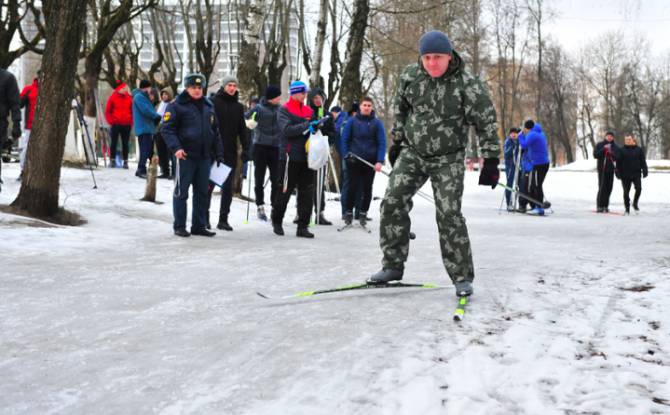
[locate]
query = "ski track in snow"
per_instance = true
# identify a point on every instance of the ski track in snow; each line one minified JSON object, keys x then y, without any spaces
{"x":119,"y":316}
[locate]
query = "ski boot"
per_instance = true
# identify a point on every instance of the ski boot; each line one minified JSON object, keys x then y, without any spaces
{"x":261,"y":214}
{"x":463,"y":288}
{"x":363,"y":219}
{"x":348,"y":218}
{"x":385,"y":276}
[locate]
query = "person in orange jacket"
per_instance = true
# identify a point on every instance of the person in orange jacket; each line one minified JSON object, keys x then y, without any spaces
{"x":119,"y":115}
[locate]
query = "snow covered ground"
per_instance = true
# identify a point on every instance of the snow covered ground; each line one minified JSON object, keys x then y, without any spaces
{"x":119,"y":316}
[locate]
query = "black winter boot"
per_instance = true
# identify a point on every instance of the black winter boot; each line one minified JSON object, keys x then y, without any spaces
{"x":304,"y":233}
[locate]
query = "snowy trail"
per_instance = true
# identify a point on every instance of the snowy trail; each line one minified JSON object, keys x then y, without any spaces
{"x":119,"y":316}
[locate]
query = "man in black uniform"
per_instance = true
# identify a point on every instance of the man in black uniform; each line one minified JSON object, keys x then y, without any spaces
{"x":191,"y":132}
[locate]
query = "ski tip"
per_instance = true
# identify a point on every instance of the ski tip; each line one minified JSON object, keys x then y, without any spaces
{"x":262,"y":295}
{"x":458,"y":317}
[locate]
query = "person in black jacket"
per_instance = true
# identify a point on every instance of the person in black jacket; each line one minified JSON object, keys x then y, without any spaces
{"x":606,"y":153}
{"x":191,"y":132}
{"x":294,"y":119}
{"x":631,"y":163}
{"x":9,"y":104}
{"x":266,"y":146}
{"x":317,"y":100}
{"x":233,"y":130}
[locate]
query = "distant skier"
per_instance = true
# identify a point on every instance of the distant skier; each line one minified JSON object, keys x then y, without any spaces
{"x":631,"y":164}
{"x":534,"y":140}
{"x":145,"y":120}
{"x":119,"y":115}
{"x":29,"y":102}
{"x":436,"y":102}
{"x":606,"y":153}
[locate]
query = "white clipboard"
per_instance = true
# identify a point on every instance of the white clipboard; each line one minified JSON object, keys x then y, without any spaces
{"x":218,"y":175}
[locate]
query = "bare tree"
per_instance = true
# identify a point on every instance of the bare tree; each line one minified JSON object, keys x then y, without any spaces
{"x":107,"y":17}
{"x":249,"y":71}
{"x":560,"y":115}
{"x":351,"y":87}
{"x":643,"y":98}
{"x":40,"y":185}
{"x":13,"y":15}
{"x":315,"y":76}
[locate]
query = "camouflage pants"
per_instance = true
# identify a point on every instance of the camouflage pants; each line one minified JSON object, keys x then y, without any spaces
{"x":446,"y":176}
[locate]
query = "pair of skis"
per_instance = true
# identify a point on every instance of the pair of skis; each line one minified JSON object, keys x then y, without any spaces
{"x":362,"y":227}
{"x":458,"y":314}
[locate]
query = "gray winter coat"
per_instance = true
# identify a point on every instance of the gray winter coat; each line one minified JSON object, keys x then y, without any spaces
{"x":267,"y":130}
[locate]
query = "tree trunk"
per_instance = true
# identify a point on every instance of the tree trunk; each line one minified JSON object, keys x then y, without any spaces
{"x":40,"y":186}
{"x":248,"y":70}
{"x":351,"y":88}
{"x":315,"y":76}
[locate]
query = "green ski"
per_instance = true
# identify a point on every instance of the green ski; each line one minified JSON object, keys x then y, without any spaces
{"x":351,"y":287}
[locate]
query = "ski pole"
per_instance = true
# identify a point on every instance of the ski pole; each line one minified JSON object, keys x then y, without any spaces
{"x":75,"y":106}
{"x":528,"y":198}
{"x":332,"y":168}
{"x":250,"y":167}
{"x":419,"y":192}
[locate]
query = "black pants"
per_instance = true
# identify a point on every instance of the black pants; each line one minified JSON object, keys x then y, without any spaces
{"x":605,"y":183}
{"x":226,"y":194}
{"x":361,"y":178}
{"x":626,"y":182}
{"x":165,"y":160}
{"x":524,"y":188}
{"x":146,"y":142}
{"x":193,"y":172}
{"x":124,"y":132}
{"x":265,"y":158}
{"x":536,"y":180}
{"x":301,"y":177}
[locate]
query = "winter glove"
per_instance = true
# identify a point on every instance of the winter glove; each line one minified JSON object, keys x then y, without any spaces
{"x":219,"y":161}
{"x":314,"y":127}
{"x":645,"y":174}
{"x":490,"y":174}
{"x":251,"y":123}
{"x":16,"y":130}
{"x":394,"y":153}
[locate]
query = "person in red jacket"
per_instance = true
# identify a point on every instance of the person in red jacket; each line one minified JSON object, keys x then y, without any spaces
{"x":28,"y":101}
{"x":119,"y":115}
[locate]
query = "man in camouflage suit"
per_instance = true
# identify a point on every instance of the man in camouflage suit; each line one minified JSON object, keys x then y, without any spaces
{"x":435,"y":104}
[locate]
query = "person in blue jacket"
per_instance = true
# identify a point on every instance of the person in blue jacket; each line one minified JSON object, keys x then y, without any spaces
{"x":511,"y":150}
{"x":364,"y":138}
{"x":145,"y":120}
{"x":191,"y":132}
{"x":534,"y":140}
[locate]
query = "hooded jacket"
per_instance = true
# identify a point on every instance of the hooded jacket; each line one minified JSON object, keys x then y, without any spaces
{"x":294,"y":118}
{"x":328,"y":126}
{"x":267,"y":130}
{"x":119,"y":109}
{"x":433,"y":115}
{"x":364,"y":136}
{"x":536,"y":143}
{"x":232,"y":128}
{"x":192,"y":126}
{"x":631,"y":162}
{"x":145,"y":118}
{"x":29,"y":101}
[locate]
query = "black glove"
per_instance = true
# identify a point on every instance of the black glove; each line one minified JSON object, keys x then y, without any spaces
{"x":16,"y":130}
{"x":349,"y":158}
{"x":7,"y":145}
{"x":394,"y":153}
{"x":219,"y":161}
{"x":645,"y":174}
{"x":490,"y":174}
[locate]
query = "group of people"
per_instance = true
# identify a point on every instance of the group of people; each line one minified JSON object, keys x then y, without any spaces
{"x":627,"y":163}
{"x":526,"y":163}
{"x":275,"y":138}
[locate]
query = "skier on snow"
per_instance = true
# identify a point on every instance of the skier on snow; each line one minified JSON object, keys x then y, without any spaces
{"x":436,"y":102}
{"x":606,"y":152}
{"x":535,"y":142}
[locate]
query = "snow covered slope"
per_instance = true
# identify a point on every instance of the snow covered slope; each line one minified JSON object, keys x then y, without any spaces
{"x":569,"y":314}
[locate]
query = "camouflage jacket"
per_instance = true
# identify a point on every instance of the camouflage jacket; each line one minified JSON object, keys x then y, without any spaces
{"x":433,"y":116}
